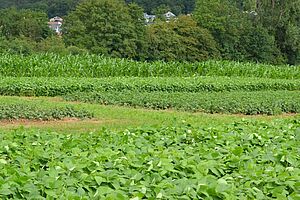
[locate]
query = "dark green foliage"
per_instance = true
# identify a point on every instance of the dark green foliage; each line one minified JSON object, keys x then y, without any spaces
{"x":243,"y":160}
{"x":60,"y":86}
{"x":180,"y":40}
{"x":51,"y":65}
{"x":208,"y":94}
{"x":24,"y":46}
{"x":176,"y":6}
{"x":52,"y":44}
{"x":225,"y":24}
{"x":281,"y":19}
{"x":260,"y":30}
{"x":51,"y":7}
{"x":257,"y":30}
{"x":248,"y":103}
{"x":26,"y":23}
{"x":106,"y":27}
{"x":136,"y":14}
{"x":259,"y":46}
{"x":20,"y":111}
{"x":61,"y":7}
{"x":18,"y":46}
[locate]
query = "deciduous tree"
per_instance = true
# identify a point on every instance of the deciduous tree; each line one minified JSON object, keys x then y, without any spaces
{"x":32,"y":24}
{"x":181,"y":39}
{"x":105,"y":27}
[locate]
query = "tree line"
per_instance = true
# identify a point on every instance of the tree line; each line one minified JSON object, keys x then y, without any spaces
{"x":265,"y":31}
{"x":62,"y":7}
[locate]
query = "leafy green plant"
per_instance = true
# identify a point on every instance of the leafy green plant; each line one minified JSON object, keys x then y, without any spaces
{"x":243,"y":160}
{"x":23,"y":86}
{"x":23,"y":111}
{"x":249,"y":103}
{"x":93,"y":66}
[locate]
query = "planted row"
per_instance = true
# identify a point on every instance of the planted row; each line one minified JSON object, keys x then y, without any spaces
{"x":93,"y":66}
{"x":60,"y":86}
{"x":249,"y":103}
{"x":244,"y":160}
{"x":23,"y":111}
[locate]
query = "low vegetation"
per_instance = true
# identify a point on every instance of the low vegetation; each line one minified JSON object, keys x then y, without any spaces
{"x":30,"y":112}
{"x":205,"y":68}
{"x":93,"y":66}
{"x":15,"y":86}
{"x":198,"y":94}
{"x":249,"y":103}
{"x":244,"y":160}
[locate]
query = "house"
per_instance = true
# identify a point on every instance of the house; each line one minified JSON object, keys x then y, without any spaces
{"x":169,"y":15}
{"x":55,"y":24}
{"x":149,"y":19}
{"x":251,"y":13}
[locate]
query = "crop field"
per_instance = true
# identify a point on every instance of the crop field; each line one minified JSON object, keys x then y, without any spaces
{"x":239,"y":161}
{"x":90,"y":127}
{"x":248,"y":103}
{"x":93,"y":66}
{"x":26,"y":86}
{"x":19,"y":111}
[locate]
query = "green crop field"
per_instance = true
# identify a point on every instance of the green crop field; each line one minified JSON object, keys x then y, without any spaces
{"x":26,"y":86}
{"x":23,"y":111}
{"x":92,"y":66}
{"x":90,"y":127}
{"x":239,"y":161}
{"x":249,"y":103}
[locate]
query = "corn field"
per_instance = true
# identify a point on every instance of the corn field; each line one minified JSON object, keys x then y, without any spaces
{"x":93,"y":66}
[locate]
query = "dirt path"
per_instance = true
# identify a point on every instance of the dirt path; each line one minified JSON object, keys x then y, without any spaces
{"x":40,"y":123}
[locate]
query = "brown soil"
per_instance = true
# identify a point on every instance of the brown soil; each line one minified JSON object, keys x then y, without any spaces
{"x":28,"y":123}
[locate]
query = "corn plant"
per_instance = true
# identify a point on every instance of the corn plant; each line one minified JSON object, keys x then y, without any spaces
{"x":93,"y":66}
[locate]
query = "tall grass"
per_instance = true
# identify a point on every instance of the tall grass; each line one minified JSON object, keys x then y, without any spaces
{"x":51,"y":65}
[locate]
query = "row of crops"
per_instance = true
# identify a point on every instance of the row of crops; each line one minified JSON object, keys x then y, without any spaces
{"x":248,"y":103}
{"x":30,"y":112}
{"x":245,"y":160}
{"x":25,"y":86}
{"x":198,"y":94}
{"x":93,"y":66}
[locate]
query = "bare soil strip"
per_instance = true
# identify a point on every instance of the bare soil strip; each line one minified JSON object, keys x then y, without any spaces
{"x":29,"y":123}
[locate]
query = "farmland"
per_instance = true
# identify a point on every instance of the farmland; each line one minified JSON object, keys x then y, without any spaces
{"x":90,"y":127}
{"x":242,"y":161}
{"x":93,"y":66}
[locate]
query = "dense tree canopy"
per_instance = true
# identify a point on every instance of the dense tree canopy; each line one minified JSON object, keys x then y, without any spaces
{"x":282,"y":19}
{"x":16,"y":23}
{"x":265,"y":31}
{"x":256,"y":30}
{"x":62,"y":7}
{"x":104,"y":26}
{"x":181,"y":40}
{"x":51,"y":7}
{"x":176,"y":6}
